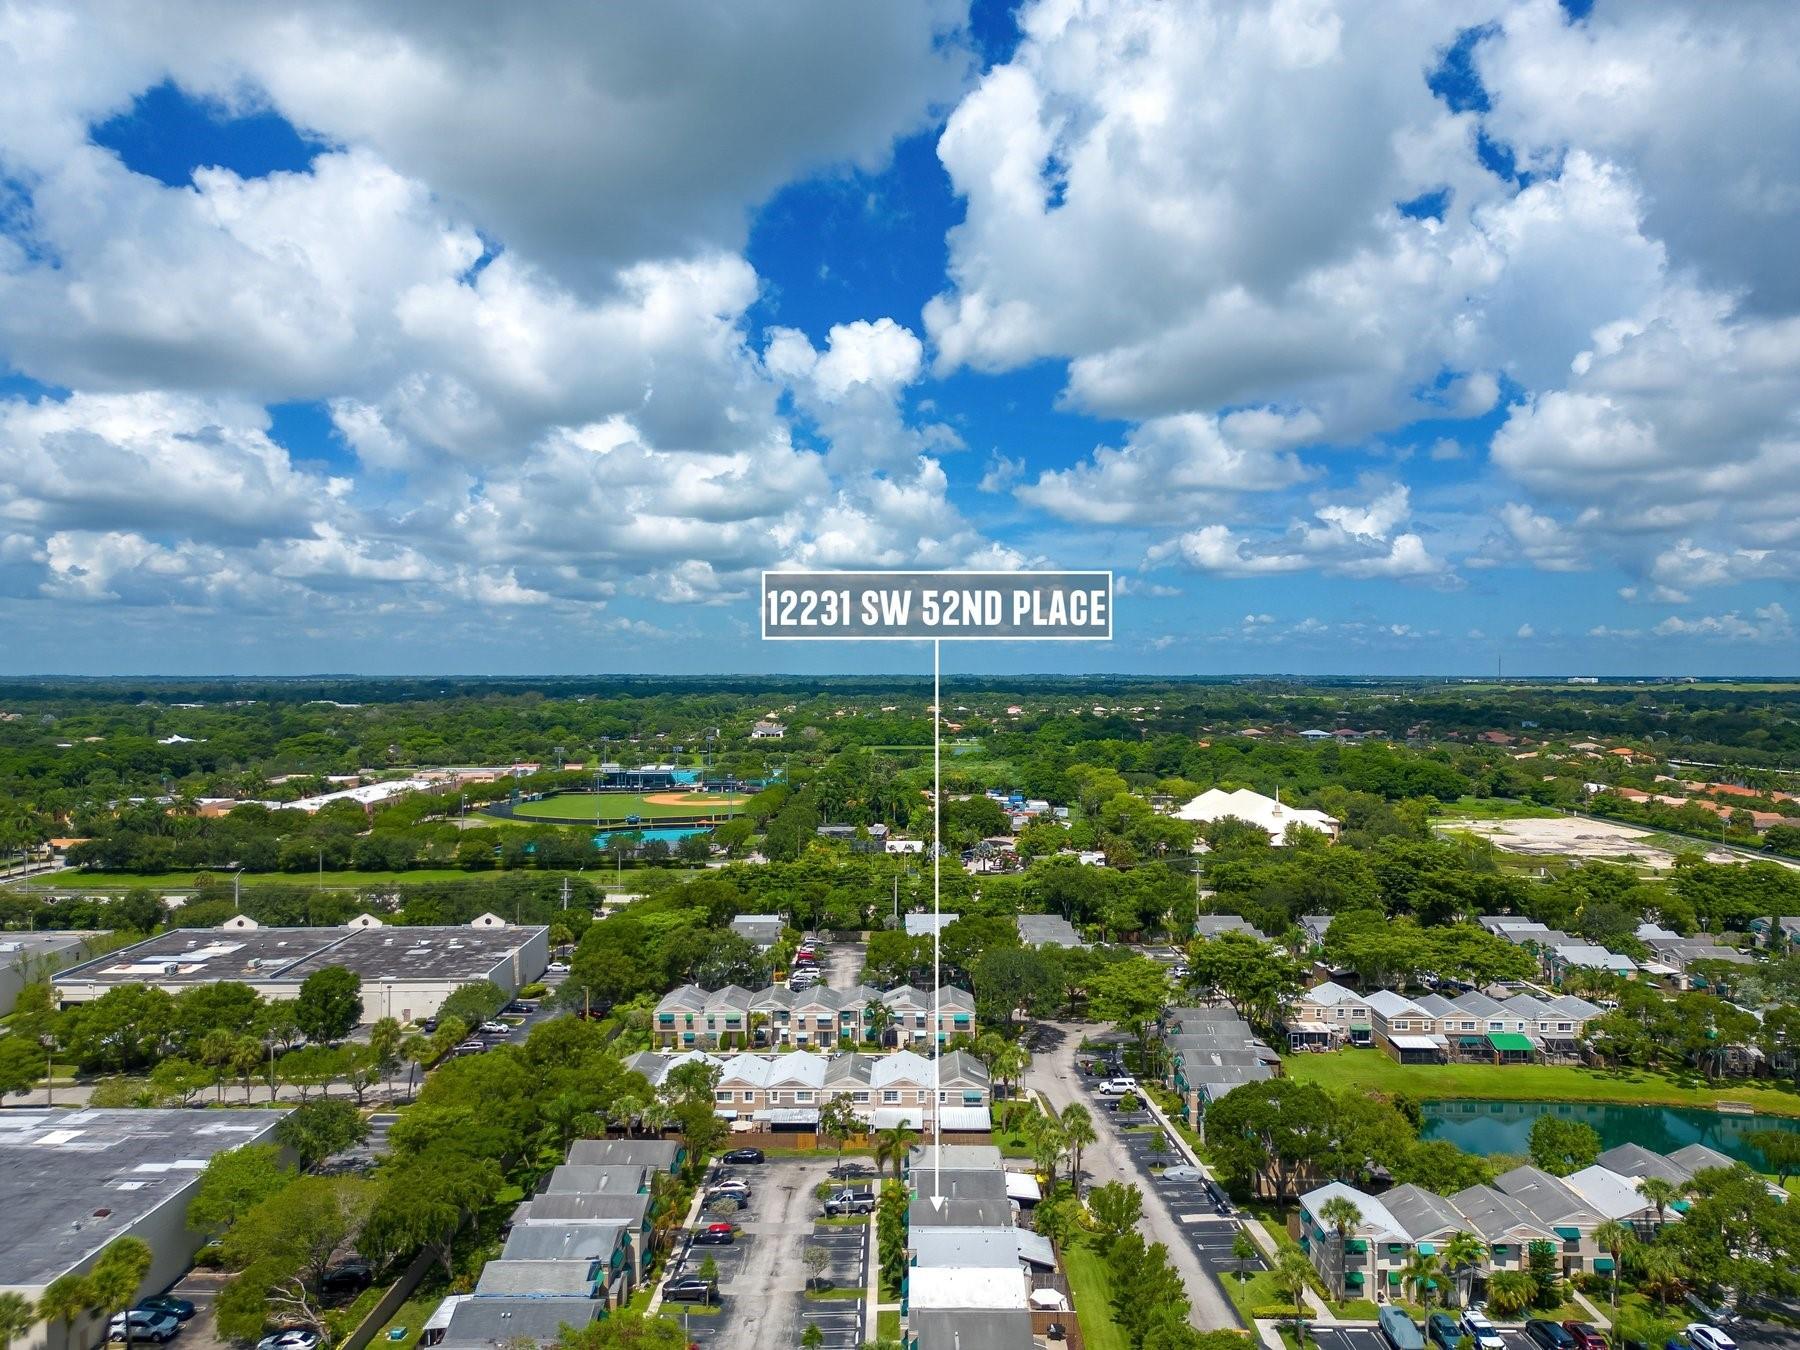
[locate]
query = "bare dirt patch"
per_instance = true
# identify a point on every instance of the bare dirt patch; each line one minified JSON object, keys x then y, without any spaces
{"x":701,"y":800}
{"x":1581,"y":837}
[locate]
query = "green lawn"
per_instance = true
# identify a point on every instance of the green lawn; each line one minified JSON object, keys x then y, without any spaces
{"x":70,"y":880}
{"x":1371,"y":1070}
{"x":1091,"y":1284}
{"x":1491,"y":808}
{"x":1248,"y":1295}
{"x":887,"y":1324}
{"x":618,"y":807}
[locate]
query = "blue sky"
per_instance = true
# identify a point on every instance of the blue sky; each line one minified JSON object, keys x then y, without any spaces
{"x":1354,"y":339}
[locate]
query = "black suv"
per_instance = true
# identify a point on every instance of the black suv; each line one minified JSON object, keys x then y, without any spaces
{"x":1548,"y":1335}
{"x":742,"y":1155}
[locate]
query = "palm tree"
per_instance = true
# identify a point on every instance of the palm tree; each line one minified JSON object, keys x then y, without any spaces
{"x":1048,"y":1144}
{"x":880,"y":1018}
{"x":1421,"y":1274}
{"x":16,"y":1318}
{"x":1660,"y":1192}
{"x":114,"y":1280}
{"x":1293,"y":1272}
{"x":1612,"y":1236}
{"x":1342,"y":1214}
{"x":1010,"y":1064}
{"x":66,"y":1299}
{"x":1660,"y":1272}
{"x":1463,"y":1254}
{"x":892,"y":1146}
{"x":418,"y":1052}
{"x":1078,"y":1133}
{"x":1510,"y":1292}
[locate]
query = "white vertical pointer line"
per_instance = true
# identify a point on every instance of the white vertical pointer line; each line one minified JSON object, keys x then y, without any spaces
{"x":937,"y":921}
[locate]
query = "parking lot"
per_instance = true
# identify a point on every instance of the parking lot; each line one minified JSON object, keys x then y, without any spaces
{"x":1368,"y":1338}
{"x":1194,"y":1210}
{"x":839,"y":1320}
{"x":762,"y":1275}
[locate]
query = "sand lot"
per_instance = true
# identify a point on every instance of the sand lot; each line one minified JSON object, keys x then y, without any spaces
{"x":1580,"y":837}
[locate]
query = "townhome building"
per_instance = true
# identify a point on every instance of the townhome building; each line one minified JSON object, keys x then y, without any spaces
{"x":1406,"y":1030}
{"x":692,"y":1017}
{"x":1505,"y":1225}
{"x":1328,"y":1016}
{"x":1359,"y":1258}
{"x":788,"y":1090}
{"x":665,"y":1155}
{"x":1562,"y":1210}
{"x":733,"y":1018}
{"x":1481,"y":1029}
{"x":1555,"y":1024}
{"x":1672,"y":958}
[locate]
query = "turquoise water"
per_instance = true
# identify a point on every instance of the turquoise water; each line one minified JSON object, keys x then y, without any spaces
{"x":669,"y":834}
{"x":1505,"y":1127}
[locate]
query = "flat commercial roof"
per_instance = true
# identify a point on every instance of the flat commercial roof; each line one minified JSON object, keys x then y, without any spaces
{"x":288,"y":955}
{"x":19,"y":948}
{"x":72,"y":1181}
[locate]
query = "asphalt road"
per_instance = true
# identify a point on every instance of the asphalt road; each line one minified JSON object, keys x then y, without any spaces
{"x":1054,"y":1076}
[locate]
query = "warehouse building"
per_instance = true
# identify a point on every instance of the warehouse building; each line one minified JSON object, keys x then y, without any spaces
{"x":71,"y":1182}
{"x":407,"y":972}
{"x":25,"y":957}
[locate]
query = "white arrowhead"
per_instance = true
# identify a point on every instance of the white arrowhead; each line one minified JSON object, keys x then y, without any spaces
{"x":937,"y":1202}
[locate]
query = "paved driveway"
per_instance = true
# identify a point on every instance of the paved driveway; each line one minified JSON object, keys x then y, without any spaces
{"x":1054,"y":1076}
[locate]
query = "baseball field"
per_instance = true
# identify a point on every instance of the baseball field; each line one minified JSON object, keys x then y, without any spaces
{"x":618,"y":807}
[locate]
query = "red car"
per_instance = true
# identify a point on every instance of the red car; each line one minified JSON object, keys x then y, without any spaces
{"x":1586,"y":1336}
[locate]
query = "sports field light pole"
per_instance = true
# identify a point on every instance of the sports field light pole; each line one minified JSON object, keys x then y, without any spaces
{"x":935,"y":606}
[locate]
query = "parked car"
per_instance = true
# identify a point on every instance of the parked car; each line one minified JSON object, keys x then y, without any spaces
{"x":1712,"y":1313}
{"x":496,"y":1029}
{"x":1483,"y":1332}
{"x":848,"y":1201}
{"x":178,"y":1308}
{"x":558,"y":968}
{"x":146,"y":1325}
{"x":1441,"y":1327}
{"x":347,"y":1277}
{"x":1709,"y":1338}
{"x":715,"y":1235}
{"x":290,"y":1338}
{"x":1117,"y":1087}
{"x":1183,"y":1173}
{"x":1221,"y":1201}
{"x":729,"y":1190}
{"x":688,"y":1289}
{"x":1549,"y":1335}
{"x":470,"y":1047}
{"x":1399,"y":1330}
{"x":523,"y":1005}
{"x":742,"y":1155}
{"x":1587,"y":1336}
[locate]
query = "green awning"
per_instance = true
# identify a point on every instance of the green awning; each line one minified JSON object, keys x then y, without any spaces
{"x":1569,"y":1234}
{"x":1603,"y":1263}
{"x":1357,"y":1246}
{"x":1509,"y":1040}
{"x":1353,"y":1277}
{"x":1427,"y":1249}
{"x":1469,"y":1040}
{"x":1393,"y":1277}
